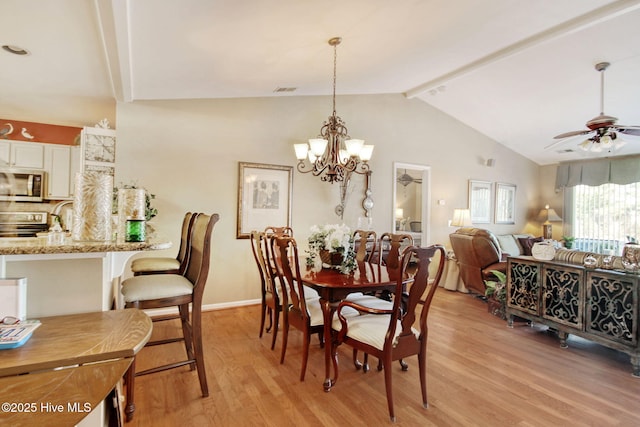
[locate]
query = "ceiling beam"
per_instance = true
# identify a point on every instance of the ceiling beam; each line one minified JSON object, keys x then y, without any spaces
{"x":596,"y":16}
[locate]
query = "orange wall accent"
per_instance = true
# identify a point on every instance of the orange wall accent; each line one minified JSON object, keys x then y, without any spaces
{"x":42,"y":132}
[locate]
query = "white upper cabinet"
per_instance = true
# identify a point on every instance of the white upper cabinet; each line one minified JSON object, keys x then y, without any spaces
{"x":58,"y":168}
{"x":28,"y":155}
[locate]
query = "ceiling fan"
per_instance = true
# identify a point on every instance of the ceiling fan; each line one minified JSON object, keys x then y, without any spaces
{"x":603,"y":129}
{"x":406,"y":179}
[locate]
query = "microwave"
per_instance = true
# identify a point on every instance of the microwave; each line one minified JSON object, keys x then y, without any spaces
{"x":21,"y":185}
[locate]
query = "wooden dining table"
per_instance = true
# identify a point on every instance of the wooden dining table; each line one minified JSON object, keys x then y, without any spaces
{"x":333,"y":287}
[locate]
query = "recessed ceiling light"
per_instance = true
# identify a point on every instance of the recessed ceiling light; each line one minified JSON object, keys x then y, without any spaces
{"x":16,"y":50}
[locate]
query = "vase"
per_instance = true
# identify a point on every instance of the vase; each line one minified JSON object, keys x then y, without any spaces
{"x":92,"y":205}
{"x":332,"y":259}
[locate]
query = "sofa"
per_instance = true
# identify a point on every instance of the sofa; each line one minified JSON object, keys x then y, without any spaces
{"x":479,"y":251}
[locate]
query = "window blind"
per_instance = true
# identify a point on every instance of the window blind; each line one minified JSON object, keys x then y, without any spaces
{"x":602,"y":218}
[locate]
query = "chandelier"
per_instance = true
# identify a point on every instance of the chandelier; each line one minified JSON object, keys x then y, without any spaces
{"x":333,"y":155}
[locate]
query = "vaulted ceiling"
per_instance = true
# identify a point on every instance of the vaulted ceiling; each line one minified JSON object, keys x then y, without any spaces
{"x":519,"y":71}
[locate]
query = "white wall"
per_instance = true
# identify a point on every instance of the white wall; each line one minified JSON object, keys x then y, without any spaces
{"x":187,"y":153}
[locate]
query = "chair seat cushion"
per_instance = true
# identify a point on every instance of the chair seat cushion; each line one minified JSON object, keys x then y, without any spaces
{"x":369,"y":328}
{"x":147,"y":264}
{"x":316,"y":316}
{"x":154,"y":286}
{"x":369,"y":301}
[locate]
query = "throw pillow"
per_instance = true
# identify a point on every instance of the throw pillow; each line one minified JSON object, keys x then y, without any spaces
{"x":527,"y":243}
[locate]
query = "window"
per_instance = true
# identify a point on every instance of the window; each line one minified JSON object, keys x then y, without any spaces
{"x":603,"y":218}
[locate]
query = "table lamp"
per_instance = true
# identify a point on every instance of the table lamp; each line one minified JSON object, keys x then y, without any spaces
{"x":461,"y":218}
{"x":547,"y":215}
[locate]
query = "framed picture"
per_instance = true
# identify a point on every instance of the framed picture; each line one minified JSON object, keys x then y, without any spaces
{"x":480,"y":201}
{"x":264,"y":197}
{"x":505,"y":203}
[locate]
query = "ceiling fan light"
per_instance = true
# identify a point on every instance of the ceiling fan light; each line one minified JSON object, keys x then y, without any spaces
{"x":619,"y":143}
{"x":606,"y":142}
{"x":585,"y":145}
{"x":596,"y":147}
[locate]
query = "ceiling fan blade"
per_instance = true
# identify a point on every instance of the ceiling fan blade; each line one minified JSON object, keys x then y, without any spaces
{"x":555,"y":144}
{"x":573,"y":133}
{"x":629,"y":130}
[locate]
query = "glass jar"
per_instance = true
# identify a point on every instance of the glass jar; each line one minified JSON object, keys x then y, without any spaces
{"x":135,"y":230}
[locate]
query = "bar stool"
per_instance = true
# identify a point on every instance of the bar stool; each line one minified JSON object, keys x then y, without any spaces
{"x":151,"y":291}
{"x":167,"y":265}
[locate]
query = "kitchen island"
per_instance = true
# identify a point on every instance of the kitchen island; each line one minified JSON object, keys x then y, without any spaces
{"x":72,"y":277}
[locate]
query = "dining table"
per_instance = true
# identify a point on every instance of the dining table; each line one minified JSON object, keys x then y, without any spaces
{"x":334,"y":286}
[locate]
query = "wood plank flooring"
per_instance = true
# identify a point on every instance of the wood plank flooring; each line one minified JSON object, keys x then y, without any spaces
{"x":480,"y":373}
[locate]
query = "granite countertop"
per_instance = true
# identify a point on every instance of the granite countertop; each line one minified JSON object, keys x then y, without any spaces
{"x":41,"y":245}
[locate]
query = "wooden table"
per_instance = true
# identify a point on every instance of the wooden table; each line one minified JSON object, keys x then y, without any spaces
{"x":69,"y":366}
{"x":334,"y":286}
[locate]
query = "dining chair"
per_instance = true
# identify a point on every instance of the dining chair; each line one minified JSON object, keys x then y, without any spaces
{"x":176,"y":290}
{"x":390,"y":334}
{"x":365,"y":244}
{"x":271,"y":301}
{"x":303,"y":313}
{"x":167,"y":265}
{"x":391,"y":246}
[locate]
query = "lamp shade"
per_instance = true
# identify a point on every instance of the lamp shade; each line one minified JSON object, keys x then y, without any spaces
{"x":461,"y":218}
{"x":547,"y":215}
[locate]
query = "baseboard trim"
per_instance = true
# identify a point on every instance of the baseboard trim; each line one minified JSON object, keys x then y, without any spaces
{"x":205,"y":307}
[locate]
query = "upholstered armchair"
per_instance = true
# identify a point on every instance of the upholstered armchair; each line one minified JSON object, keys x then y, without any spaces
{"x":478,"y":252}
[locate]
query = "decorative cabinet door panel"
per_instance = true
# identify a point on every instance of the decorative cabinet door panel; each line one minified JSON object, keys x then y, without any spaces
{"x":612,"y":306}
{"x":563,"y":295}
{"x":523,"y":286}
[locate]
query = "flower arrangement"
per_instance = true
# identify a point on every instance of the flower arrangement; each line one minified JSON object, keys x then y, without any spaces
{"x":333,"y":244}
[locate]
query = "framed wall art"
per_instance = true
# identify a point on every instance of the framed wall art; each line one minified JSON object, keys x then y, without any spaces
{"x":480,"y":201}
{"x":264,"y":197}
{"x":505,"y":203}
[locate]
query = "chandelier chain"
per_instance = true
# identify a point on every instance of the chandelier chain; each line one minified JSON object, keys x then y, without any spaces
{"x":335,"y":66}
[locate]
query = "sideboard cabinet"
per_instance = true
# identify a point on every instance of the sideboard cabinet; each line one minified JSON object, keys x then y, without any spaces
{"x":595,"y":304}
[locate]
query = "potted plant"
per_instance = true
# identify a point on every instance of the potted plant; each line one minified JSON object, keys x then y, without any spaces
{"x":568,"y":241}
{"x":496,"y":294}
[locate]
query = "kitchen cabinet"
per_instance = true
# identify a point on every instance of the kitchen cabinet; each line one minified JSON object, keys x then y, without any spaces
{"x":58,"y":167}
{"x":28,"y":155}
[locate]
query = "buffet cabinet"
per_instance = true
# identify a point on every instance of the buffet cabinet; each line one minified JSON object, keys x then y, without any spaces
{"x":595,"y":304}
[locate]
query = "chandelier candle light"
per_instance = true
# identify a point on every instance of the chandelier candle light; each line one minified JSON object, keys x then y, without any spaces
{"x":333,"y":155}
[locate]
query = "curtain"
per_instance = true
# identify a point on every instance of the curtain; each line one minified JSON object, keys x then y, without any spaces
{"x":616,"y":170}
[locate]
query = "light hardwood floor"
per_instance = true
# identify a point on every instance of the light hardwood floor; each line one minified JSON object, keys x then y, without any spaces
{"x":480,"y":373}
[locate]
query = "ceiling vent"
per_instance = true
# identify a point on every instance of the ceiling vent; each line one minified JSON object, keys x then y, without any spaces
{"x":284,"y":89}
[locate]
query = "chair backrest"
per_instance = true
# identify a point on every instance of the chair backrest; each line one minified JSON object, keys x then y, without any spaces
{"x":421,"y":293}
{"x":287,"y":231}
{"x":288,"y":268}
{"x":391,"y":247}
{"x":199,"y":254}
{"x":260,"y":242}
{"x":257,"y":247}
{"x":185,"y":240}
{"x":365,"y":244}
